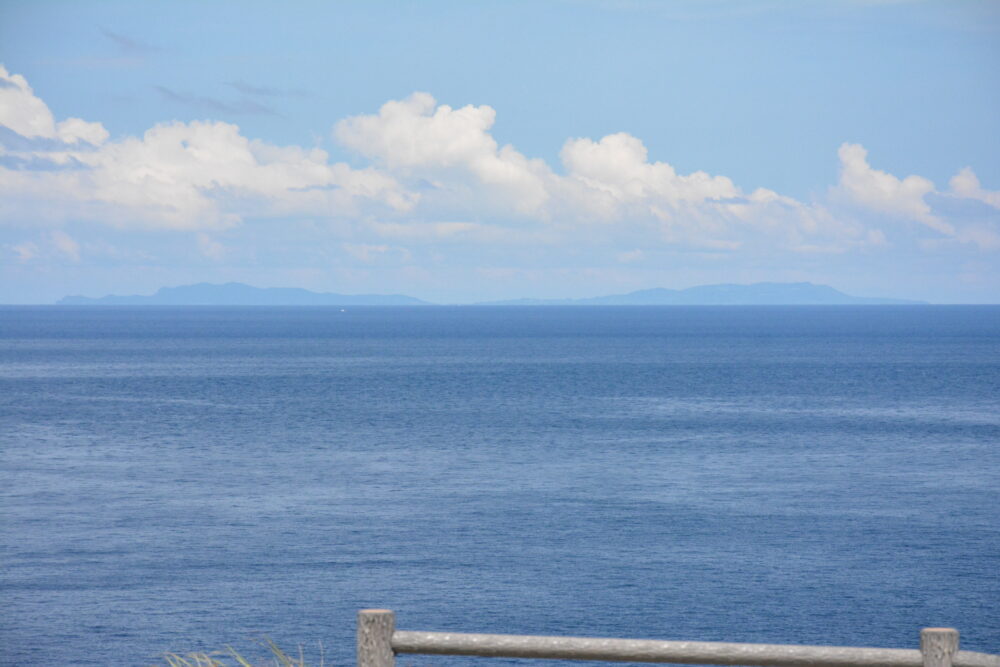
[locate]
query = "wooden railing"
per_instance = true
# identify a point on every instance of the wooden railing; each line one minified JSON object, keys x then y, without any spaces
{"x":379,"y":642}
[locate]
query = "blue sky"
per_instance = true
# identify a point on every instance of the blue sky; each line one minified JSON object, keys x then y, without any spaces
{"x":458,"y":151}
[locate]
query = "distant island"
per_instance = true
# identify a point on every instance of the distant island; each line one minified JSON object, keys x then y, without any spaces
{"x":757,"y":294}
{"x":238,"y":294}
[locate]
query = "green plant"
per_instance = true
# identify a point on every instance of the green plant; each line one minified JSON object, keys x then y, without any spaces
{"x":232,"y":658}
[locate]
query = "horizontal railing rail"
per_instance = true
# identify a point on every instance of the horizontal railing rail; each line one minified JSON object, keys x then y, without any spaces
{"x":379,"y":642}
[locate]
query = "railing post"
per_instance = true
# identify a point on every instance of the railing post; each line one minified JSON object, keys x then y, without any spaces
{"x":375,"y":628}
{"x":938,"y":646}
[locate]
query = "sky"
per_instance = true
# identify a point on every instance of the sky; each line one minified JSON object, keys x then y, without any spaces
{"x":466,"y":151}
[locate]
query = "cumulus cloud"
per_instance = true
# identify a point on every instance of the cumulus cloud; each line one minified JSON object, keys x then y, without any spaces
{"x":876,"y":193}
{"x":436,"y":174}
{"x":415,"y":136}
{"x":613,"y":180}
{"x":460,"y":170}
{"x":20,"y":110}
{"x":965,"y":184}
{"x":884,"y":193}
{"x":184,"y":176}
{"x":618,"y":166}
{"x":28,"y":116}
{"x":415,"y":133}
{"x":208,"y":175}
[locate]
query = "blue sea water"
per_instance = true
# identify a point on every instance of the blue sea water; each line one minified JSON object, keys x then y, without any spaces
{"x":176,"y":479}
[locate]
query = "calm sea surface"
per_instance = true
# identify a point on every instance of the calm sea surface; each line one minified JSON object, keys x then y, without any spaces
{"x":187,"y":478}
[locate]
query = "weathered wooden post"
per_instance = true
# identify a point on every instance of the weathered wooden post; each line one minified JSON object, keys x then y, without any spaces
{"x":375,"y":628}
{"x":938,"y":646}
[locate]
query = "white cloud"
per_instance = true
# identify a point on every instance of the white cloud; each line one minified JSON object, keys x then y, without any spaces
{"x":74,"y":130}
{"x":880,"y":194}
{"x":617,"y":166}
{"x":20,"y":110}
{"x":415,"y":133}
{"x":966,"y":184}
{"x":182,"y":176}
{"x":884,"y":193}
{"x":437,"y":175}
{"x":26,"y":114}
{"x":461,"y":171}
{"x":207,"y":175}
{"x":452,"y":148}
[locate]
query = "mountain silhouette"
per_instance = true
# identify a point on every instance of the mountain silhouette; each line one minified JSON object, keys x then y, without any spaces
{"x":757,"y":294}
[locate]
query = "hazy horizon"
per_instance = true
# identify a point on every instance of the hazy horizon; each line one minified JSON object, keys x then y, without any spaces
{"x":552,"y":149}
{"x":753,"y":291}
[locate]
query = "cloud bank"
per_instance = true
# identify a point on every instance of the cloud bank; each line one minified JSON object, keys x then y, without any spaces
{"x":434,"y":173}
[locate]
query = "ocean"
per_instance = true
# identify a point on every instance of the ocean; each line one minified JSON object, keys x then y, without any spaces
{"x":179,"y":479}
